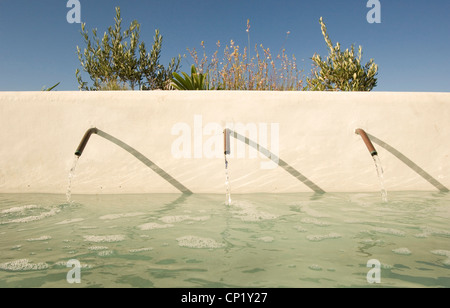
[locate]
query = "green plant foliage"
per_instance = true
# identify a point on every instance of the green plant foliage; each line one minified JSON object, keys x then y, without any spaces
{"x":342,"y":70}
{"x":51,"y":88}
{"x":194,"y":82}
{"x":118,"y":58}
{"x":113,"y":85}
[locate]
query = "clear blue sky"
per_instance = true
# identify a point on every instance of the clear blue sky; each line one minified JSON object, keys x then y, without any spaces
{"x":411,"y":45}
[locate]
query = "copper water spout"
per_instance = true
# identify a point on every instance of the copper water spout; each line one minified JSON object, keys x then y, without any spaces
{"x":226,"y":141}
{"x":367,"y":141}
{"x":85,"y":140}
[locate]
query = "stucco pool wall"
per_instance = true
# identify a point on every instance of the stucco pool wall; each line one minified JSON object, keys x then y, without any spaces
{"x":181,"y":133}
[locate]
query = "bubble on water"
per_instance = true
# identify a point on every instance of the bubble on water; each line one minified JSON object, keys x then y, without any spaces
{"x":315,"y":267}
{"x":267,"y":239}
{"x":97,"y":248}
{"x":104,"y":238}
{"x":192,"y":241}
{"x":179,"y":218}
{"x":314,"y":221}
{"x":116,"y":216}
{"x":318,"y":238}
{"x":402,"y":251}
{"x":105,"y":253}
{"x":389,"y":231}
{"x":69,"y":221}
{"x":22,"y":265}
{"x":153,"y":225}
{"x":140,"y":249}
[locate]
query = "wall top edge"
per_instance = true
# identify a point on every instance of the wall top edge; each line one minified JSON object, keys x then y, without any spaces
{"x":240,"y":92}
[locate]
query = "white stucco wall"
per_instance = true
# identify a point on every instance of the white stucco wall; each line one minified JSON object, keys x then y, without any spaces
{"x":39,"y":132}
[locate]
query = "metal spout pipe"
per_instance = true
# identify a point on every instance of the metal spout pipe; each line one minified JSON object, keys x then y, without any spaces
{"x":85,"y":140}
{"x":226,"y":141}
{"x":367,"y":141}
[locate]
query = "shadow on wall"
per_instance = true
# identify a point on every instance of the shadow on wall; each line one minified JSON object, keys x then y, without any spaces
{"x":283,"y":164}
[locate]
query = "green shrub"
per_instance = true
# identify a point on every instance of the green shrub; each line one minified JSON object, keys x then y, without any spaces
{"x":119,"y":59}
{"x":342,"y":70}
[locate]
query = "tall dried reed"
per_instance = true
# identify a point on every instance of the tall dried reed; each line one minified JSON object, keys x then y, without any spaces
{"x":236,"y":70}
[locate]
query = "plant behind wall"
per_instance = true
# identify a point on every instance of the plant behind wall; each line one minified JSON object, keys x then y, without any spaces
{"x":342,"y":70}
{"x":119,"y":61}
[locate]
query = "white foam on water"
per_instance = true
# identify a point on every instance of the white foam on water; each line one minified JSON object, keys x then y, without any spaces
{"x":19,"y":209}
{"x":441,"y":252}
{"x":116,"y":216}
{"x":248,"y":212}
{"x":267,"y":239}
{"x":22,"y":265}
{"x":421,"y":235}
{"x":371,"y":241}
{"x":389,"y":231}
{"x":69,"y":221}
{"x":192,"y":241}
{"x":140,"y":250}
{"x":318,"y":238}
{"x":314,"y":221}
{"x":300,"y":229}
{"x":42,"y":238}
{"x":26,"y":219}
{"x":63,"y":264}
{"x":438,"y":232}
{"x":105,"y":253}
{"x":402,"y":251}
{"x":104,"y":238}
{"x":386,"y":266}
{"x":153,"y":225}
{"x":180,"y":218}
{"x":97,"y":248}
{"x":315,"y":267}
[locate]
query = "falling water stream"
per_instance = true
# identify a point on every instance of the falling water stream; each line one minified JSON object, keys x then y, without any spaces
{"x":227,"y":184}
{"x":379,"y":169}
{"x":71,"y":176}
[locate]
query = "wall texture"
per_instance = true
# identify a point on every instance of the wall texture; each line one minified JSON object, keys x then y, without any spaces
{"x":310,"y":136}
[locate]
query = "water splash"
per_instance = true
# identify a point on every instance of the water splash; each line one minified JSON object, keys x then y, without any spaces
{"x":227,"y":184}
{"x":380,"y":171}
{"x":71,"y":176}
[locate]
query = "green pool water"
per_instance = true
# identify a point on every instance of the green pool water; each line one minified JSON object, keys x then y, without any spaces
{"x":196,"y":241}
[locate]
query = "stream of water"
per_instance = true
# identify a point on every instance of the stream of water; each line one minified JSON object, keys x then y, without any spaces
{"x":380,"y":172}
{"x":71,"y":176}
